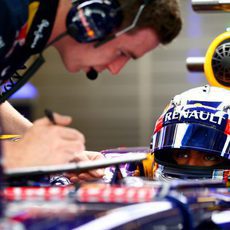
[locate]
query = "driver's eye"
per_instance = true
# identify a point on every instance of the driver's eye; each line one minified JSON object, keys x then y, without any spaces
{"x":182,"y":155}
{"x":211,"y":158}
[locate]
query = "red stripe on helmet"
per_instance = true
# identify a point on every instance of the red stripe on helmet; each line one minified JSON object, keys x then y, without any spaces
{"x":227,"y":128}
{"x":159,"y":124}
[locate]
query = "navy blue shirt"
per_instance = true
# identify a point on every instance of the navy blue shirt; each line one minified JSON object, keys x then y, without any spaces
{"x":25,"y":28}
{"x":13,"y":19}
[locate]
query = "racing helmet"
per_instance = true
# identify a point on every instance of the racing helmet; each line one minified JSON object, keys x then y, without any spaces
{"x":197,"y":119}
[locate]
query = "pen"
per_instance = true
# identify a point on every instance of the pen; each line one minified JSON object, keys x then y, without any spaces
{"x":11,"y":137}
{"x":49,"y":115}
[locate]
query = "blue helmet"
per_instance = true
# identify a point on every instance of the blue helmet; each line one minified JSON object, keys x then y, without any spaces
{"x":198,"y":119}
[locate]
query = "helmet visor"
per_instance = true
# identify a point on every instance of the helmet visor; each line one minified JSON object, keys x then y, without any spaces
{"x":192,"y":136}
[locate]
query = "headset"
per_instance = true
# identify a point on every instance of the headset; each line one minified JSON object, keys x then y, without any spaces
{"x":95,"y":20}
{"x":92,"y":20}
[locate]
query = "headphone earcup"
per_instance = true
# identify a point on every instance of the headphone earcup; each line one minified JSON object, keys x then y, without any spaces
{"x":89,"y":21}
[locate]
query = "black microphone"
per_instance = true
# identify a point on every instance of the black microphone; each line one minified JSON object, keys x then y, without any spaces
{"x":92,"y":74}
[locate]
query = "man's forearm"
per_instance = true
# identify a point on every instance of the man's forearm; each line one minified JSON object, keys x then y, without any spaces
{"x":11,"y":121}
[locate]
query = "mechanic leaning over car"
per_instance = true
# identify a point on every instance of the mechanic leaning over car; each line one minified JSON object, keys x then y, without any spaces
{"x":81,"y":31}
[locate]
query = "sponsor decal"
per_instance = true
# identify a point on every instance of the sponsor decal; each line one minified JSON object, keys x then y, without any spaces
{"x":20,"y":39}
{"x":85,"y":23}
{"x":199,"y":115}
{"x":38,"y":34}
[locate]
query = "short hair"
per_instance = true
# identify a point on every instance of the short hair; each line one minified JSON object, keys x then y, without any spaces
{"x":163,"y":16}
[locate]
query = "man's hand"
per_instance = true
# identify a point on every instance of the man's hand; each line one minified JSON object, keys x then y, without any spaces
{"x":93,"y":174}
{"x":45,"y":144}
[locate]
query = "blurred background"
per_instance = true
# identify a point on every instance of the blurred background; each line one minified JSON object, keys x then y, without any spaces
{"x":117,"y":111}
